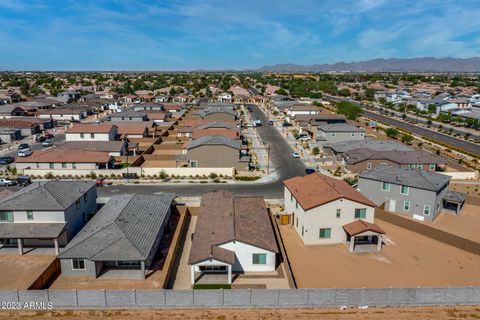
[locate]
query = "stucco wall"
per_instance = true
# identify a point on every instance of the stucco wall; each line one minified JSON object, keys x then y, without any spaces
{"x":87,"y":136}
{"x":216,"y":156}
{"x":244,"y":257}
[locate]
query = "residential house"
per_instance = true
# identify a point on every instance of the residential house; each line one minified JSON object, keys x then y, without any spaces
{"x":338,"y":132}
{"x":9,"y":97}
{"x":218,"y":113}
{"x":358,"y":160}
{"x":92,"y":132}
{"x":69,"y":95}
{"x":46,"y":213}
{"x":324,"y":210}
{"x":224,"y":97}
{"x":124,"y":235}
{"x":302,"y":109}
{"x":134,"y":116}
{"x":65,"y":114}
{"x":130,"y":98}
{"x":418,"y":193}
{"x":27,"y":128}
{"x":213,"y":152}
{"x":52,"y":159}
{"x":113,"y":148}
{"x":173,"y":108}
{"x":232,"y":235}
{"x":8,"y":135}
{"x":132,"y":130}
{"x":180,"y":98}
{"x":149,"y":107}
{"x":338,"y":148}
{"x":162,"y":99}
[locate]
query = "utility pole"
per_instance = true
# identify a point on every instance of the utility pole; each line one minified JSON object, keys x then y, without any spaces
{"x":268,"y":159}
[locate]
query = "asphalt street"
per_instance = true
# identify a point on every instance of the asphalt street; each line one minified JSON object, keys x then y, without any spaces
{"x":35,"y":146}
{"x":462,"y":144}
{"x":281,"y":160}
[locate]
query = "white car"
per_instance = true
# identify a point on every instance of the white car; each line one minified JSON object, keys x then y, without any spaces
{"x":295,"y":155}
{"x":24,"y":152}
{"x":304,"y":138}
{"x":7,"y":182}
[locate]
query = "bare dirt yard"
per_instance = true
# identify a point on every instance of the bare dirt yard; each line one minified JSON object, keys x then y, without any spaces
{"x":437,"y":313}
{"x":411,"y":260}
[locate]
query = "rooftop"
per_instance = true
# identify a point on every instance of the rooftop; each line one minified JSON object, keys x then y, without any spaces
{"x":401,"y":157}
{"x":73,"y":156}
{"x":90,"y":128}
{"x":340,"y":127}
{"x":214,"y":140}
{"x":374,"y":145}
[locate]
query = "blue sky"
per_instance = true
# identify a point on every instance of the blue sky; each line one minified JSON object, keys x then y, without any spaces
{"x":218,"y":34}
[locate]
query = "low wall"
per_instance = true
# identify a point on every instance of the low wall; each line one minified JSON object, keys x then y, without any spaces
{"x":247,"y":298}
{"x":428,"y":231}
{"x":52,"y":271}
{"x":230,"y":172}
{"x":461,"y":175}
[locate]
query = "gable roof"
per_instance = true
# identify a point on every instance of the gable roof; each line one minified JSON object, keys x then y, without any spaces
{"x":414,"y":178}
{"x":126,"y":228}
{"x":400,"y":157}
{"x":90,"y":128}
{"x":72,"y":156}
{"x":315,"y":189}
{"x":360,"y":226}
{"x":224,"y":218}
{"x":47,"y":195}
{"x":376,"y":145}
{"x":339,"y":127}
{"x":214,"y":140}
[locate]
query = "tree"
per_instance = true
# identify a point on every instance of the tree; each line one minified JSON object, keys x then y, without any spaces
{"x":173,"y":91}
{"x":407,"y":138}
{"x":316,"y":151}
{"x":281,"y":92}
{"x":344,"y":92}
{"x":392,"y":133}
{"x":350,"y":110}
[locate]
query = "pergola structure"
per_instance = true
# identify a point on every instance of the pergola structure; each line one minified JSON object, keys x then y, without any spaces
{"x":32,"y":231}
{"x":363,"y":236}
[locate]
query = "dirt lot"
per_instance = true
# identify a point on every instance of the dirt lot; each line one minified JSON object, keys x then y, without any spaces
{"x":438,"y":313}
{"x":412,"y":260}
{"x":20,"y":271}
{"x":471,"y":187}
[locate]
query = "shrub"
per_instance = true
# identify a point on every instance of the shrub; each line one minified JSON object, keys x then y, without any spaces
{"x":213,"y":175}
{"x":49,"y":176}
{"x":392,"y":133}
{"x":163,"y":175}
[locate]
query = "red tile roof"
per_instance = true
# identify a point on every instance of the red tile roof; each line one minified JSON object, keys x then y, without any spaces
{"x":361,"y":226}
{"x":72,"y":156}
{"x":90,"y":128}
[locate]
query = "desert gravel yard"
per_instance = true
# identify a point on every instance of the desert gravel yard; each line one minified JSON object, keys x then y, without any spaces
{"x":411,"y":260}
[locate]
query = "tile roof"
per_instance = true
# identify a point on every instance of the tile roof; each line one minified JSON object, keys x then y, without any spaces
{"x":376,"y":145}
{"x":131,"y":127}
{"x":339,"y":127}
{"x":361,"y":226}
{"x":47,"y":195}
{"x":126,"y":228}
{"x":73,"y":156}
{"x":315,"y":189}
{"x":414,"y":178}
{"x":14,"y":123}
{"x":304,"y":107}
{"x":214,"y":140}
{"x":31,"y":230}
{"x":101,"y":146}
{"x":128,"y":114}
{"x":228,"y":133}
{"x":224,"y":218}
{"x":90,"y":128}
{"x":400,"y":157}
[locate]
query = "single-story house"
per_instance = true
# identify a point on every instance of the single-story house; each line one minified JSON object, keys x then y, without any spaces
{"x":66,"y":114}
{"x":113,"y":148}
{"x":128,"y":116}
{"x":91,"y":132}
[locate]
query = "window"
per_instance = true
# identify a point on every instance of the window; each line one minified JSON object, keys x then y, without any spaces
{"x":385,"y":186}
{"x":412,"y":166}
{"x":432,"y":166}
{"x":128,"y":263}
{"x":259,"y":258}
{"x":29,"y":215}
{"x":129,"y":118}
{"x":38,"y":165}
{"x":333,"y":134}
{"x":353,"y":134}
{"x":64,"y":165}
{"x":383,"y":163}
{"x":291,"y":197}
{"x":297,"y":223}
{"x":339,"y":212}
{"x":404,"y":190}
{"x":426,"y":210}
{"x":296,"y":204}
{"x":369,"y":165}
{"x":77,"y":204}
{"x":6,"y":216}
{"x":325,"y":233}
{"x":419,"y":166}
{"x":193,"y":163}
{"x":85,"y":197}
{"x":406,"y":205}
{"x":74,"y":165}
{"x":361,"y":134}
{"x":92,"y":135}
{"x":82,"y":135}
{"x":50,"y":165}
{"x":360,"y":213}
{"x":78,"y":264}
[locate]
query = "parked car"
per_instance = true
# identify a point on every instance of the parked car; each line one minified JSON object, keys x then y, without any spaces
{"x":40,"y":138}
{"x":258,"y":123}
{"x":250,"y":125}
{"x":286,"y":124}
{"x":48,"y":135}
{"x":23,"y":146}
{"x":7,"y":160}
{"x":24,"y":181}
{"x":250,"y":109}
{"x":304,"y":138}
{"x":24,"y":152}
{"x":47,"y":143}
{"x":310,"y":170}
{"x":270,"y":122}
{"x":7,"y":182}
{"x":295,"y":155}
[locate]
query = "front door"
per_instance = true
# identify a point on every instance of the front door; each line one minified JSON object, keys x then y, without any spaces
{"x":391,"y":205}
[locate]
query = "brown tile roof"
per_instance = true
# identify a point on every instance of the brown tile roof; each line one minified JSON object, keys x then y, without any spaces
{"x":132,"y":128}
{"x":90,"y":128}
{"x":152,"y":115}
{"x":401,"y":157}
{"x":231,"y":134}
{"x":72,"y":156}
{"x":14,"y":123}
{"x":224,"y":218}
{"x":361,"y":226}
{"x":314,"y":190}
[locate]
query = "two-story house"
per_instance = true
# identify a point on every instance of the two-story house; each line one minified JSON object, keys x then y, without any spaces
{"x":337,"y":132}
{"x":46,"y":211}
{"x":418,"y":193}
{"x":324,"y":210}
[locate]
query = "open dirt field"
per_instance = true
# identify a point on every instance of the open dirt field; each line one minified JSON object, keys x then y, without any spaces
{"x":20,"y":271}
{"x":472,"y":187}
{"x":412,"y":260}
{"x":437,"y":313}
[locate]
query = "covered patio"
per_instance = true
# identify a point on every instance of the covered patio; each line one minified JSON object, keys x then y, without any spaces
{"x":363,"y":236}
{"x":31,"y":234}
{"x":453,"y":201}
{"x":211,"y":272}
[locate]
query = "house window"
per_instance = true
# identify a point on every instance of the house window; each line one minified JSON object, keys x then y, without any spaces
{"x":297,"y":222}
{"x":74,"y":165}
{"x":85,"y":197}
{"x":50,"y":165}
{"x":82,"y":135}
{"x":353,"y":134}
{"x":64,"y":165}
{"x":129,"y":118}
{"x":412,"y":166}
{"x":385,"y":186}
{"x":6,"y":216}
{"x":406,"y":205}
{"x":432,"y":166}
{"x":383,"y":163}
{"x":92,"y":135}
{"x":339,"y":212}
{"x":360,"y":213}
{"x":404,"y":190}
{"x":296,"y":204}
{"x":369,"y":165}
{"x":259,"y":258}
{"x":128,"y":263}
{"x":333,"y":134}
{"x":419,"y":166}
{"x":77,"y":204}
{"x":38,"y":165}
{"x":193,"y":163}
{"x":29,"y":215}
{"x":426,"y":210}
{"x":78,"y":264}
{"x":123,"y":118}
{"x":325,"y":233}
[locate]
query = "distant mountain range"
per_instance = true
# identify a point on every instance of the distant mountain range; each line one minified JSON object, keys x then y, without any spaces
{"x":427,"y":64}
